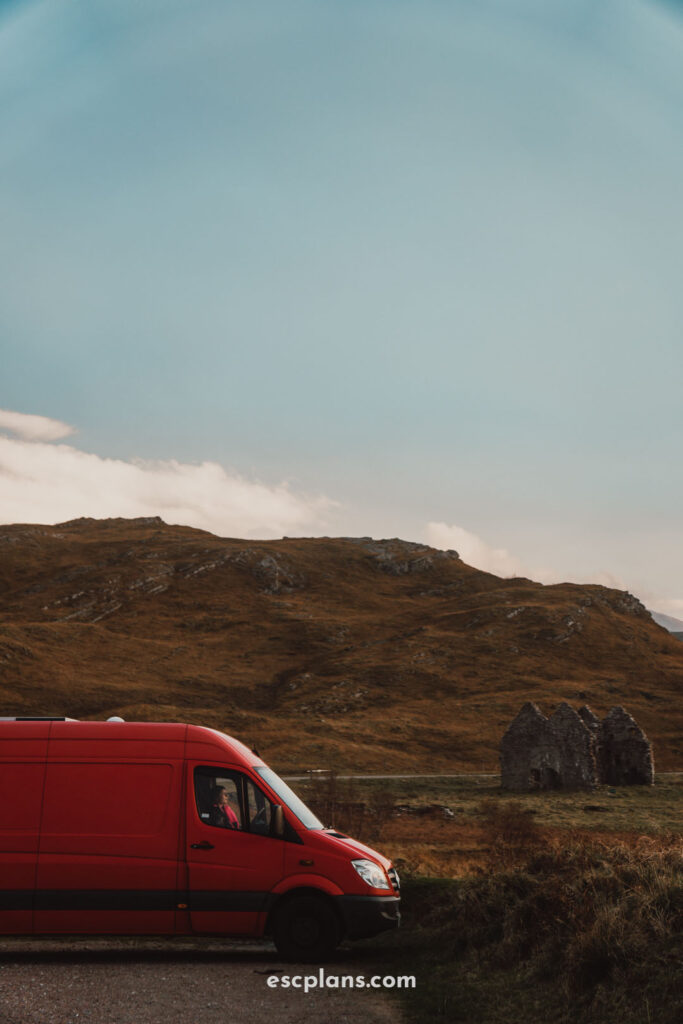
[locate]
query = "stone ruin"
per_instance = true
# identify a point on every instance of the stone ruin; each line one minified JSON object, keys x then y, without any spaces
{"x":574,"y":750}
{"x":624,"y":752}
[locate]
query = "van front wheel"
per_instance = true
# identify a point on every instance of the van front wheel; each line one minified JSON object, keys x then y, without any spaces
{"x":306,"y":928}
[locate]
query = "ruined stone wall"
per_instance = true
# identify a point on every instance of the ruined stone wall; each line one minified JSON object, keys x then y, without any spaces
{"x":625,"y":751}
{"x":576,"y":747}
{"x":573,"y":750}
{"x":529,"y":758}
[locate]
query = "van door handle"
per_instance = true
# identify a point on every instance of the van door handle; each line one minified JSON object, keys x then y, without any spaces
{"x":204,"y":845}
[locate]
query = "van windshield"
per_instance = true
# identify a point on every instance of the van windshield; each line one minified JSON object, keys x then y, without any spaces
{"x":289,"y":797}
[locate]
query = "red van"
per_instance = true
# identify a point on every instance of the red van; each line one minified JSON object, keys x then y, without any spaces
{"x":135,"y":828}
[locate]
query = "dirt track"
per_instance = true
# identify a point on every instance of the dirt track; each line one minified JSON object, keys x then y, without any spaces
{"x":149,"y":982}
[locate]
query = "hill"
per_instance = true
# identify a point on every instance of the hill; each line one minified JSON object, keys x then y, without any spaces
{"x":323,"y":652}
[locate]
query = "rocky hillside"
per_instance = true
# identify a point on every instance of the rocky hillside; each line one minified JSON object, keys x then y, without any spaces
{"x":323,"y":652}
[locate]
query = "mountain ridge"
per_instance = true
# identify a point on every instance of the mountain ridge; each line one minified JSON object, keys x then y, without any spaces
{"x":323,"y":651}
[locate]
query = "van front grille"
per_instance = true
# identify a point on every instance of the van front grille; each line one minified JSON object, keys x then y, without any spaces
{"x":394,"y":879}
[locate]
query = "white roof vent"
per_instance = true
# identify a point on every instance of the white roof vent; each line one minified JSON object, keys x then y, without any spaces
{"x":115,"y":718}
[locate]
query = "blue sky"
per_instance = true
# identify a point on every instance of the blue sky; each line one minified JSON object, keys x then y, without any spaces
{"x":351,"y":268}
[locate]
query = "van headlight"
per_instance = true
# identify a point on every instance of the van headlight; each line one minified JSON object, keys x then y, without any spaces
{"x":371,"y":873}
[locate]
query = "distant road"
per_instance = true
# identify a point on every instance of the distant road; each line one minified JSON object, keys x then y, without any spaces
{"x":321,"y":772}
{"x":459,"y":775}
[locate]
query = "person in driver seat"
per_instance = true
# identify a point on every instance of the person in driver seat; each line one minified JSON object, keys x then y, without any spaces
{"x":222,"y":813}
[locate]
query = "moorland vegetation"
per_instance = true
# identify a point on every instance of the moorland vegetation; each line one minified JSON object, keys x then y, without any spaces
{"x":386,"y":655}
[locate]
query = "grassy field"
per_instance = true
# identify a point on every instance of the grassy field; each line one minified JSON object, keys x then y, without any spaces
{"x":649,"y":809}
{"x":321,"y":652}
{"x":446,"y":827}
{"x":552,"y":908}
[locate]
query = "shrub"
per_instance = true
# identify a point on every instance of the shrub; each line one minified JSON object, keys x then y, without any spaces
{"x":339,"y":804}
{"x":588,"y":933}
{"x":509,"y":831}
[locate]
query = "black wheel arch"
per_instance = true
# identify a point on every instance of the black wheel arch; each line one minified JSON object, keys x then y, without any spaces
{"x":305,"y":890}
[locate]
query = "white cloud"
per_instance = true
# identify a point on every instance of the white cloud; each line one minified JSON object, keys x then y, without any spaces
{"x":34,"y":428}
{"x":44,"y":483}
{"x":473,"y":550}
{"x":672,"y":606}
{"x":476,"y":552}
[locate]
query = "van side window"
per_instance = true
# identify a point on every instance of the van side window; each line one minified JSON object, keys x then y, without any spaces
{"x":227,"y":799}
{"x":259,"y":809}
{"x":218,"y":793}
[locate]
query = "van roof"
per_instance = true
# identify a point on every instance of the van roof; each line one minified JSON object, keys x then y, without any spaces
{"x":199,"y":742}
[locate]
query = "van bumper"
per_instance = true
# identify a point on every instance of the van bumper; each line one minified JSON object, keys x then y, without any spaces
{"x":365,"y":916}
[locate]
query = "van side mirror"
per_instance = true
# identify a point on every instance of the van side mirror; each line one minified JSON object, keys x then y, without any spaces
{"x":277,"y":822}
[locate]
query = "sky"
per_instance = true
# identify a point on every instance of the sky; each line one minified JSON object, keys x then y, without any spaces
{"x":350,"y":267}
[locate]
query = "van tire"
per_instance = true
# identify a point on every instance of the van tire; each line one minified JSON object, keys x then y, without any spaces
{"x":306,"y":929}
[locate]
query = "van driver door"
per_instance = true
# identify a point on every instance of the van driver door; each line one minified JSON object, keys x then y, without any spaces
{"x":233,"y":860}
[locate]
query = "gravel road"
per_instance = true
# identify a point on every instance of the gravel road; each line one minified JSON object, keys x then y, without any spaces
{"x":133,"y":981}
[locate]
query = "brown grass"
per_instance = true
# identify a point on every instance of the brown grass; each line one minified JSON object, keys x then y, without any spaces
{"x":584,"y":931}
{"x":311,"y":649}
{"x":343,"y":804}
{"x":452,"y":828}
